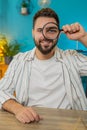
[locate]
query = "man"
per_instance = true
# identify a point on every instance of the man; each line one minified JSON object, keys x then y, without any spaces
{"x":45,"y":76}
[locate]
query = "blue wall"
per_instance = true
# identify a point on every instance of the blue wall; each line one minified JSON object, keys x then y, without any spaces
{"x":19,"y":27}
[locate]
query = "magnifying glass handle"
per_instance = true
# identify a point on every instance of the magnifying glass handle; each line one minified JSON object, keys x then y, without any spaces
{"x":61,"y":30}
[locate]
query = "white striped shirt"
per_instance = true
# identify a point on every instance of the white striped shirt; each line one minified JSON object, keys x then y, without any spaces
{"x":17,"y":77}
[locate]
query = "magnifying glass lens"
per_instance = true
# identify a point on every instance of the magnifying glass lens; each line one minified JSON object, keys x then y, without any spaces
{"x":50,"y":31}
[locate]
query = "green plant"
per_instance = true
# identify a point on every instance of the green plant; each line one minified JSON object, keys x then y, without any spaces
{"x":24,"y":4}
{"x":11,"y":49}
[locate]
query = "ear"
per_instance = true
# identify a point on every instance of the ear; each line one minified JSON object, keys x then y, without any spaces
{"x":32,"y":32}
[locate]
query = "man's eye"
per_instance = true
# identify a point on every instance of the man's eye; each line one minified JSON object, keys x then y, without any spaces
{"x":52,"y":31}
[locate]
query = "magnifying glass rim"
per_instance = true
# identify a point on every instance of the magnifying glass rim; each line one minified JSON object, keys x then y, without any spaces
{"x":50,"y":38}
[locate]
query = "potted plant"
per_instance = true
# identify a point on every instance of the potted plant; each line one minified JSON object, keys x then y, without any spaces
{"x":24,"y":8}
{"x":9,"y":50}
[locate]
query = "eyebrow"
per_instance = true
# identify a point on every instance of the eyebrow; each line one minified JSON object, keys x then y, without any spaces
{"x":39,"y":29}
{"x":53,"y":27}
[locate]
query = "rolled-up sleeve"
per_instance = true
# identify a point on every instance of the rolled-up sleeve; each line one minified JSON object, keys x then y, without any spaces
{"x":7,"y":84}
{"x":17,"y":78}
{"x":81,"y":62}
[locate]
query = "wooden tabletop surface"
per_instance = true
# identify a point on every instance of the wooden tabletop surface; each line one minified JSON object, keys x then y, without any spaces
{"x":53,"y":119}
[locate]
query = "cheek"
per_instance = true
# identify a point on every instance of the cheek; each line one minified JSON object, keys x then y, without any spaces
{"x":37,"y":37}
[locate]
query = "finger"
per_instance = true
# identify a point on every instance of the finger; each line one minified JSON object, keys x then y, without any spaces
{"x":35,"y":115}
{"x":72,"y":28}
{"x":21,"y":119}
{"x":38,"y":118}
{"x":25,"y":116}
{"x":66,"y":28}
{"x":29,"y":116}
{"x":75,"y":27}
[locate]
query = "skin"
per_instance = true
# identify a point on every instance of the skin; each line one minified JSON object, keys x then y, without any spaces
{"x":74,"y":31}
{"x":38,"y":36}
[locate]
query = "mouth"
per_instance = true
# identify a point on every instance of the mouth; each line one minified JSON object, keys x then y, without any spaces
{"x":45,"y":42}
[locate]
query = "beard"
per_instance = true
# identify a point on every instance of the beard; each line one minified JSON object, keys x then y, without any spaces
{"x":47,"y":49}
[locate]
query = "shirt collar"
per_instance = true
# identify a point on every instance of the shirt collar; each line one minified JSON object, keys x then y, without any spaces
{"x":31,"y":55}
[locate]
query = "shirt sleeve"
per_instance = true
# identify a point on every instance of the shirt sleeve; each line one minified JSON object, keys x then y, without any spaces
{"x":81,"y":62}
{"x":7,"y":84}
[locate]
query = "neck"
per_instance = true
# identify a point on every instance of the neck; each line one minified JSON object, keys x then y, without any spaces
{"x":41,"y":56}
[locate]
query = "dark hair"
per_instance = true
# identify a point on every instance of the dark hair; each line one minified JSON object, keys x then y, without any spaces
{"x":46,"y":12}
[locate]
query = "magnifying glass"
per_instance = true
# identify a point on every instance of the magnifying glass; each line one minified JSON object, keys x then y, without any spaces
{"x":51,"y":31}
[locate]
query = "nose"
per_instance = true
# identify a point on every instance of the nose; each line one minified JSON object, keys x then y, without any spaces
{"x":42,"y":36}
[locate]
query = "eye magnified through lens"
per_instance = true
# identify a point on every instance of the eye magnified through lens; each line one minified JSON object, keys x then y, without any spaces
{"x":51,"y":31}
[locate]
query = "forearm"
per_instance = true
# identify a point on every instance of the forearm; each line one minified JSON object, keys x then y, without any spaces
{"x":84,"y":39}
{"x":22,"y":113}
{"x":12,"y":106}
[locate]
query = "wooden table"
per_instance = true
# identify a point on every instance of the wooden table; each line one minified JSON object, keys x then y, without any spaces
{"x":53,"y":119}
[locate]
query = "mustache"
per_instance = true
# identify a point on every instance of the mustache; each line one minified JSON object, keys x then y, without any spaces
{"x":45,"y":40}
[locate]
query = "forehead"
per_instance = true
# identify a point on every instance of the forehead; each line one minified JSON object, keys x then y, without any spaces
{"x":41,"y":21}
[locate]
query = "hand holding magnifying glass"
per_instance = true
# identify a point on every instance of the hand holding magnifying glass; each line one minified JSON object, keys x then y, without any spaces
{"x":51,"y":31}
